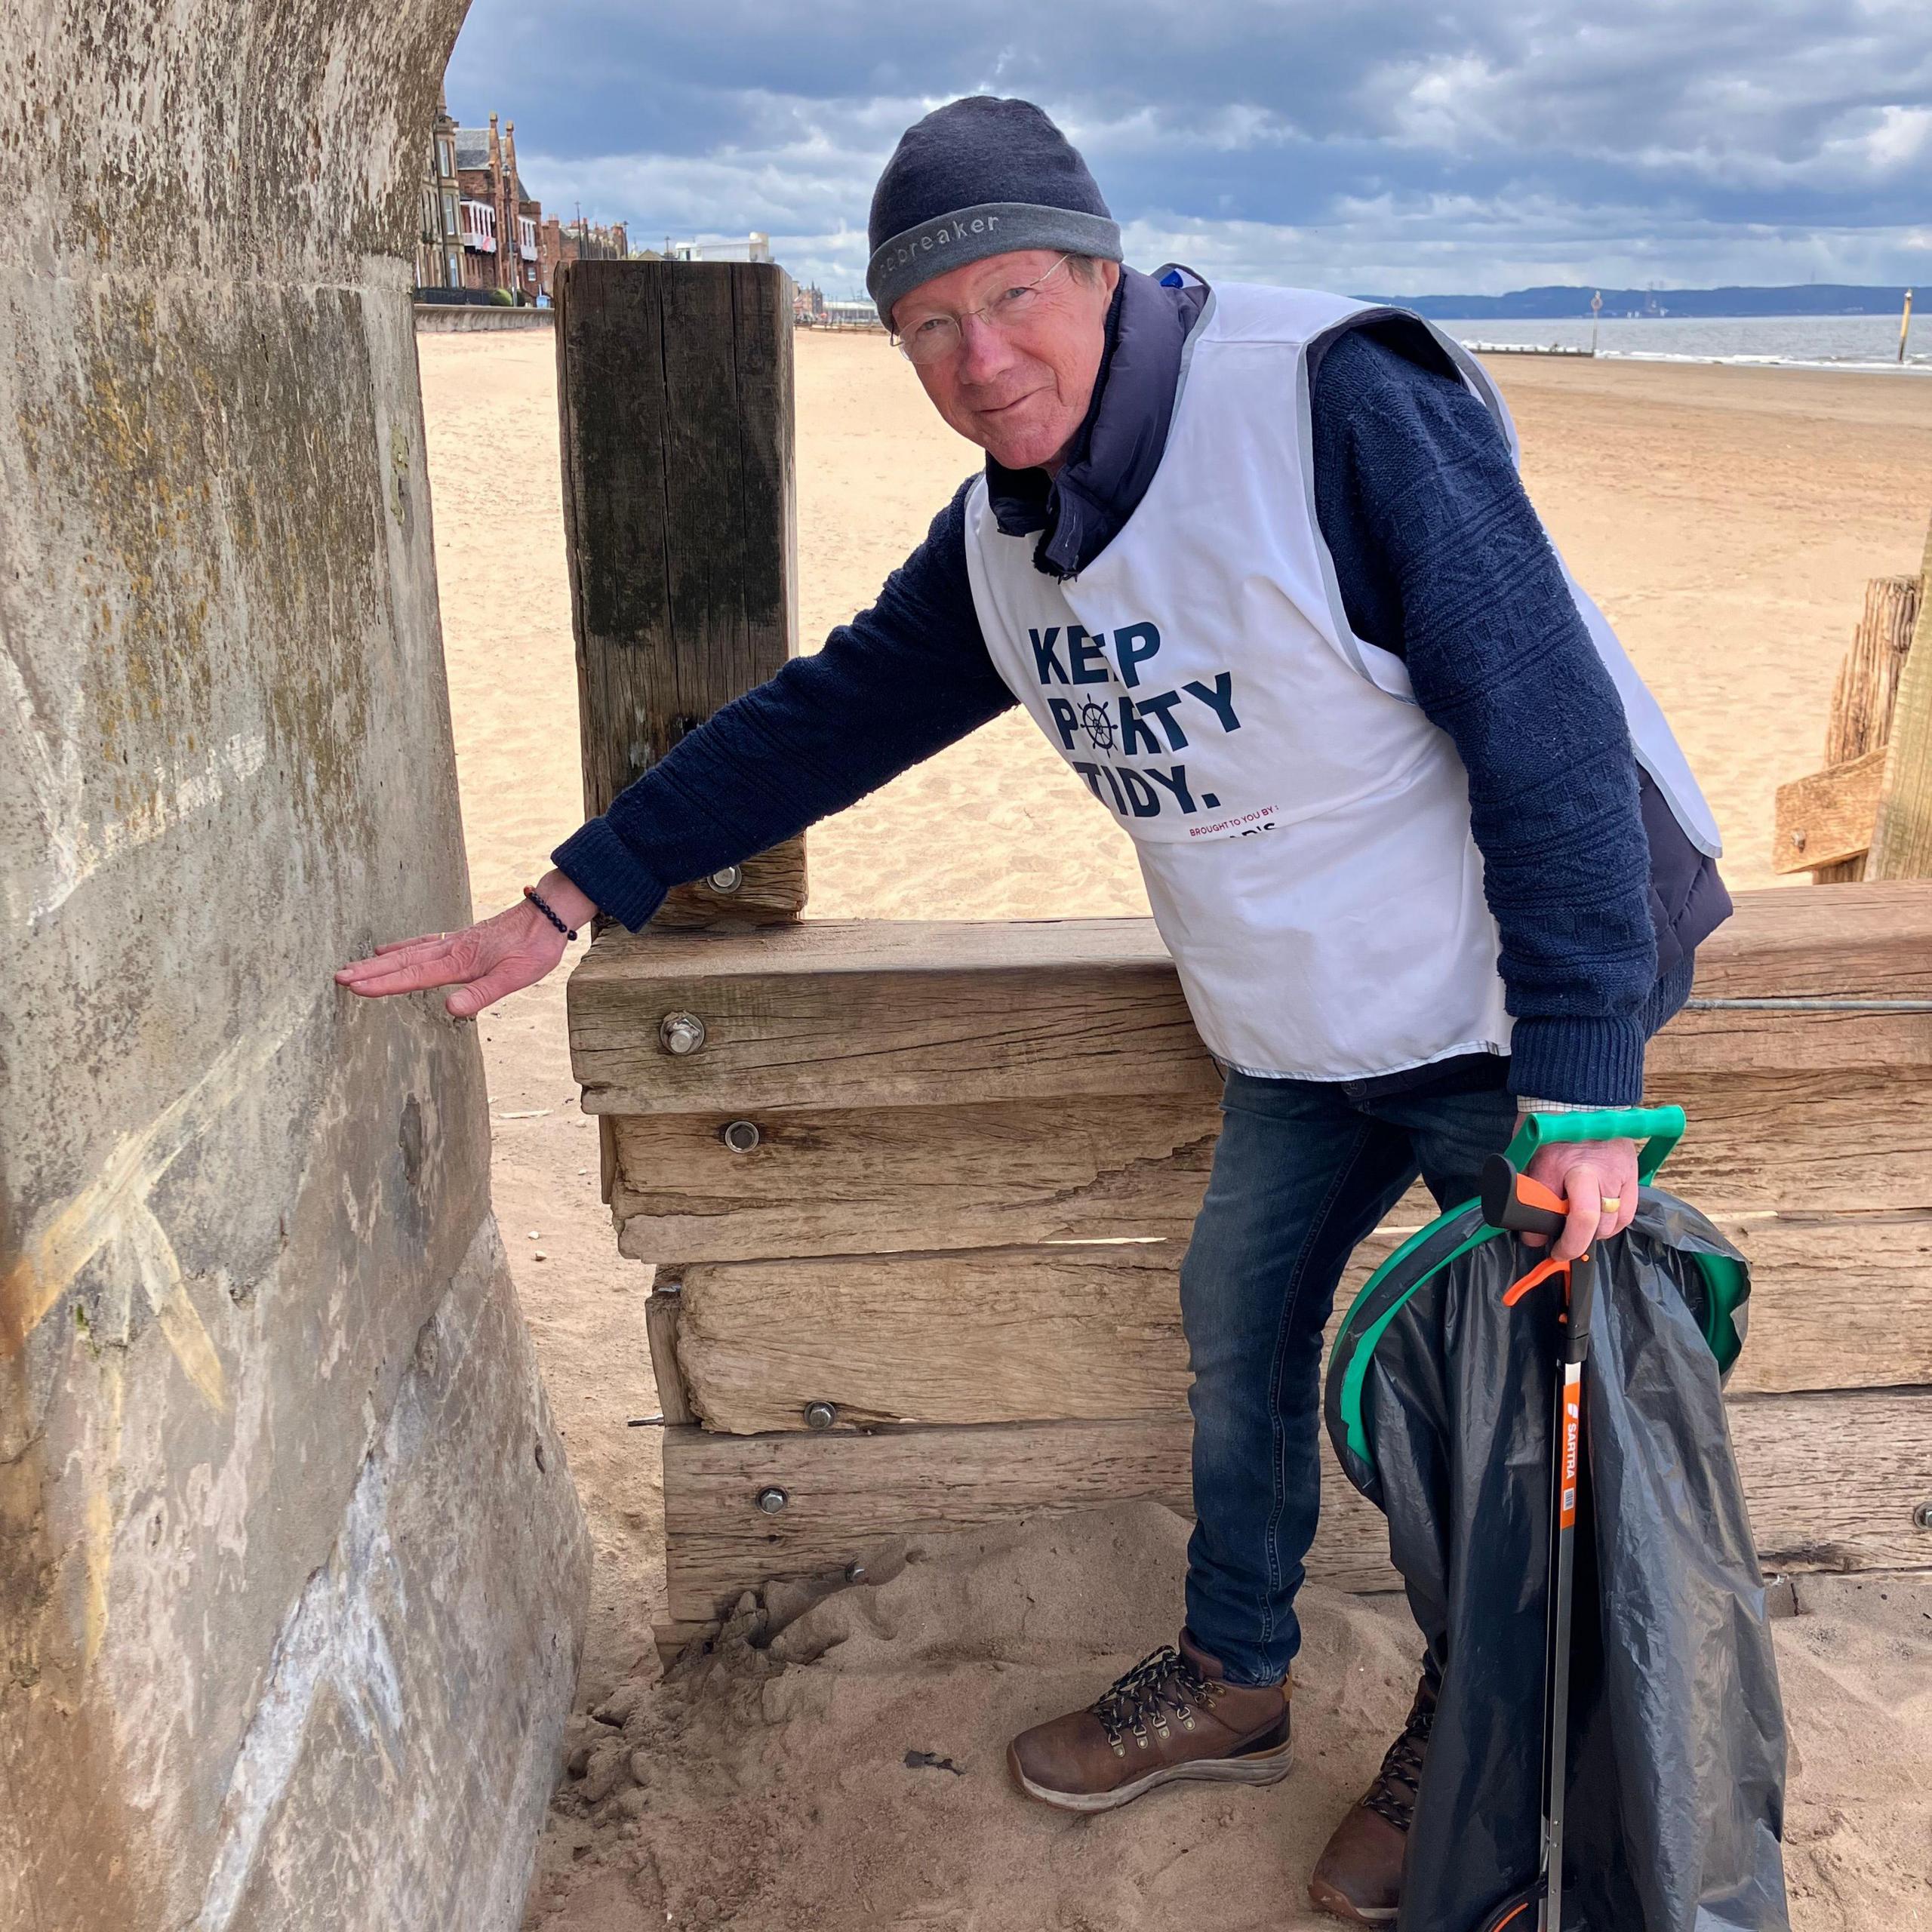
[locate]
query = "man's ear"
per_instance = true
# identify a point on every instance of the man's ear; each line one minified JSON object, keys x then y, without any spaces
{"x":1109,"y":277}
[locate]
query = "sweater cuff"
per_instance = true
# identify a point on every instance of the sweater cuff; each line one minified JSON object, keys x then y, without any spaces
{"x":1594,"y":1062}
{"x":601,"y":865}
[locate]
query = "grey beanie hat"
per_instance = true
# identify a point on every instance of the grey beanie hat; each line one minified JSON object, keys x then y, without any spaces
{"x":977,"y":178}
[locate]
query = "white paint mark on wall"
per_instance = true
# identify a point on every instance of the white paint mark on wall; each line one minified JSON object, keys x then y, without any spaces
{"x":333,"y":1638}
{"x":56,"y":781}
{"x":52,"y":760}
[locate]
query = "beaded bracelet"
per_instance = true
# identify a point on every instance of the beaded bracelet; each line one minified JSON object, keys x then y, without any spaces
{"x":536,"y":899}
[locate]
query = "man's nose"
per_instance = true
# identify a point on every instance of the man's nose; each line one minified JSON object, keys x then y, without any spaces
{"x":984,"y":352}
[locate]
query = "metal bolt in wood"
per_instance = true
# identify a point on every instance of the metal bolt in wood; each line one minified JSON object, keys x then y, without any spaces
{"x":1921,"y":1517}
{"x":680,"y":1033}
{"x":821,"y":1415}
{"x":855,"y":1573}
{"x":740,"y":1135}
{"x":728,"y":879}
{"x":771,"y":1500}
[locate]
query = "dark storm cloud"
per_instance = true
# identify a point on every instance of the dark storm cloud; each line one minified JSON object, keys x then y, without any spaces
{"x":1360,"y":144}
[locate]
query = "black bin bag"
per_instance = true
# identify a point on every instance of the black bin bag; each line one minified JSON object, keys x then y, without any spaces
{"x":1439,"y":1402}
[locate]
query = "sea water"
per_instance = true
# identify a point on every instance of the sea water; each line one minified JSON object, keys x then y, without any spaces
{"x":1830,"y":342}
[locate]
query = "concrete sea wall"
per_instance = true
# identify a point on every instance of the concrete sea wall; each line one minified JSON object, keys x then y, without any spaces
{"x":447,"y":318}
{"x":292,"y":1576}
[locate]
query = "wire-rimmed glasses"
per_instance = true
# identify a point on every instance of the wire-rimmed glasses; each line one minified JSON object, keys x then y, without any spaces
{"x":935,"y":337}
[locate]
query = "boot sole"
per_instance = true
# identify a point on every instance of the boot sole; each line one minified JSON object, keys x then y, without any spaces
{"x":1264,"y":1768}
{"x":1324,"y":1898}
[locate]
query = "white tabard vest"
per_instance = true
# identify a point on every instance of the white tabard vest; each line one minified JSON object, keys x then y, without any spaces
{"x":1303,"y":829}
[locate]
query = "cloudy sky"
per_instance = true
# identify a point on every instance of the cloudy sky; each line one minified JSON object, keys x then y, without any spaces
{"x":1356,"y":144}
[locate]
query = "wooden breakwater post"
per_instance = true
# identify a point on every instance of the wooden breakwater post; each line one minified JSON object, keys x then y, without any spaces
{"x":1868,"y":814}
{"x":674,"y":397}
{"x":922,"y":1187}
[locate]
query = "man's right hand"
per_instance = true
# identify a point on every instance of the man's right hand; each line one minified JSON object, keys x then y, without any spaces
{"x":484,"y":962}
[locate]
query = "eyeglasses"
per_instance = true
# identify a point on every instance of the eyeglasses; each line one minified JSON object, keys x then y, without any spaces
{"x":936,"y":338}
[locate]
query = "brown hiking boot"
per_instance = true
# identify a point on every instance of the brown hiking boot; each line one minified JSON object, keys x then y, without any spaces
{"x":1172,"y":1716}
{"x":1359,"y":1876}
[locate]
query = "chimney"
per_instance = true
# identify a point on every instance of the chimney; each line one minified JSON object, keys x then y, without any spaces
{"x":497,"y":199}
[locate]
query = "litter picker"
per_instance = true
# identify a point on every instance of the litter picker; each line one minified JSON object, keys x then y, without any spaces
{"x":1513,"y":1202}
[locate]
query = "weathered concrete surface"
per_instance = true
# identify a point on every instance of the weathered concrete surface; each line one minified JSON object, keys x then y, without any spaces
{"x":291,"y":1576}
{"x":448,"y":317}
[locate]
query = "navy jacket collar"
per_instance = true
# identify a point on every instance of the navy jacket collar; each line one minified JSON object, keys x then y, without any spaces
{"x":1080,"y":511}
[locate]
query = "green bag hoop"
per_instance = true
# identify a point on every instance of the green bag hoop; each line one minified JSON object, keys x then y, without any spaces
{"x":1452,"y":1235}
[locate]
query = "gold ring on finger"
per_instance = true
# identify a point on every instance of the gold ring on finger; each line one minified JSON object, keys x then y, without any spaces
{"x":1612,"y":1202}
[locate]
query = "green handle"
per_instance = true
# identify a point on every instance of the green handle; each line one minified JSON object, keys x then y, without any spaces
{"x":1659,"y":1129}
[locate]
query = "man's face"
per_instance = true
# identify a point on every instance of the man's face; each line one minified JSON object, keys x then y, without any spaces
{"x":1020,"y":391}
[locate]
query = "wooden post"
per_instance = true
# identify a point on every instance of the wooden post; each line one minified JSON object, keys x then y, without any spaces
{"x":1902,"y":839}
{"x":1861,"y":722}
{"x":674,"y":395}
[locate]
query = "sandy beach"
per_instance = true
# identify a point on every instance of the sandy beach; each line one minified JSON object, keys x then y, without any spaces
{"x":1726,"y":519}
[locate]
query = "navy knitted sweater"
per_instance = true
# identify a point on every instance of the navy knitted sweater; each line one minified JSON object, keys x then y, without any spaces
{"x":1597,"y":895}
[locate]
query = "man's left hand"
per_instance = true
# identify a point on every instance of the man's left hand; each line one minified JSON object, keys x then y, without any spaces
{"x":1598,"y":1178}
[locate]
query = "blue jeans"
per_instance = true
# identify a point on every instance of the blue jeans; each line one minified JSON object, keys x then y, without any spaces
{"x":1303,"y":1170}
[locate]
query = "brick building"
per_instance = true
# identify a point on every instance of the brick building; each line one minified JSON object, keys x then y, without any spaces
{"x":439,"y":247}
{"x":482,"y":230}
{"x":580,"y":240}
{"x":498,"y":222}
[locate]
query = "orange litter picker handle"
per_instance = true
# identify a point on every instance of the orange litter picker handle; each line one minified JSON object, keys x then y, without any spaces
{"x":1513,"y":1202}
{"x":1518,"y":1205}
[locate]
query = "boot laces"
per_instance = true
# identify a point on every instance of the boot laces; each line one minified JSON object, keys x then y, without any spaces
{"x":1397,"y":1785}
{"x":1162,"y":1681}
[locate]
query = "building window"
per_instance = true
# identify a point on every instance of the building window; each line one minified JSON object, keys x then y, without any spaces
{"x":449,"y":214}
{"x":526,"y":235}
{"x":456,"y":270}
{"x":445,"y":165}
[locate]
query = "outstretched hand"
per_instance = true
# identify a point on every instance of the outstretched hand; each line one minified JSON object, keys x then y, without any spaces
{"x":1589,"y":1174}
{"x":498,"y":955}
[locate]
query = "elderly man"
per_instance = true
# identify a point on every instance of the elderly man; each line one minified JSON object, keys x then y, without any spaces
{"x":1257,"y":562}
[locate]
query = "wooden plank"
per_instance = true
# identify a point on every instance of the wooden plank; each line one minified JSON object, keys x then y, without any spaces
{"x":674,"y":397}
{"x":875,"y":1180}
{"x":1839,"y":1302}
{"x":1902,"y":841}
{"x":835,"y":1014}
{"x":1037,"y":1334}
{"x":768,"y":888}
{"x":1868,"y":942}
{"x":1832,"y":1481}
{"x":1826,"y":819}
{"x":1010,"y":1173}
{"x":849,"y":1495}
{"x":993,"y":1335}
{"x":661,"y":1310}
{"x":1782,"y":944}
{"x":884,"y":1013}
{"x":1839,"y":1140}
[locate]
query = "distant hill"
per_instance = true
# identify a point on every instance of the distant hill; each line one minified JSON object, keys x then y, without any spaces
{"x":1555,"y":304}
